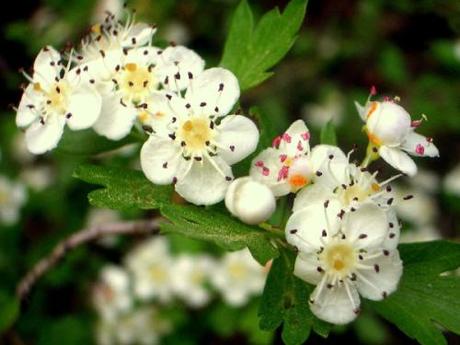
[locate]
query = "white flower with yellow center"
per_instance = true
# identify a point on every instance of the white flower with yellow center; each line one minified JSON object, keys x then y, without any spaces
{"x":150,"y":265}
{"x":12,"y":197}
{"x":189,"y":278}
{"x":238,"y":277}
{"x":392,"y":135}
{"x":344,"y":256}
{"x":56,"y":96}
{"x":111,"y":295}
{"x":290,"y":165}
{"x":198,"y":146}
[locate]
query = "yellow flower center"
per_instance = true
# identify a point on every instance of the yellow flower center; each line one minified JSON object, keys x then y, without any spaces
{"x":238,"y":271}
{"x":136,"y":82}
{"x":196,"y":133}
{"x":339,"y":258}
{"x":158,"y":274}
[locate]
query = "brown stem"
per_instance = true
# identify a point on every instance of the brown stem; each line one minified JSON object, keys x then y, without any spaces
{"x":83,"y":236}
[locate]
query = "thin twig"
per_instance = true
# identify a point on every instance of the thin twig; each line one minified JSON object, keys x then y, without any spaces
{"x":83,"y":236}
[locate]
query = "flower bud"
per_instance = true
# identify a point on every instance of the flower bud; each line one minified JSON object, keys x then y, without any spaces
{"x":250,"y":201}
{"x":387,"y":123}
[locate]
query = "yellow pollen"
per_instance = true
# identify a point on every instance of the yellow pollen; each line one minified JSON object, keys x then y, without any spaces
{"x":159,"y":114}
{"x":96,"y":28}
{"x":375,"y":187}
{"x":298,"y":181}
{"x":372,"y":109}
{"x":338,"y":265}
{"x":37,"y":87}
{"x":339,"y":257}
{"x":143,"y":116}
{"x":188,"y":126}
{"x":132,"y":67}
{"x":196,"y":133}
{"x":288,"y":161}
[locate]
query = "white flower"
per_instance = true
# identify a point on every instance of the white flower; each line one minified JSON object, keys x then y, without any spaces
{"x":112,"y":295}
{"x":417,"y":207}
{"x":189,"y":278}
{"x":249,"y":200}
{"x":197,"y":148}
{"x":343,"y":256}
{"x":142,"y":326}
{"x":425,"y":180}
{"x":12,"y":197}
{"x":451,"y":182}
{"x":101,"y":216}
{"x":392,"y":134}
{"x":290,"y":165}
{"x":151,"y":267}
{"x":238,"y":277}
{"x":56,"y":96}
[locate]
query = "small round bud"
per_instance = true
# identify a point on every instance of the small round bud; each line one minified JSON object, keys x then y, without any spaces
{"x":387,"y":123}
{"x":250,"y":201}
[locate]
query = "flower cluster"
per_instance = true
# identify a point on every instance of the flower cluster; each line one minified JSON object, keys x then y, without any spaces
{"x":116,"y":80}
{"x":152,"y":273}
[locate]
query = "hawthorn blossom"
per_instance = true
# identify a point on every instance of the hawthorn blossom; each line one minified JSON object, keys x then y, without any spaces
{"x":127,"y":70}
{"x":111,"y":295}
{"x":141,"y":326}
{"x":150,"y":266}
{"x":344,"y":256}
{"x":290,"y":165}
{"x":250,"y":201}
{"x":451,"y":183}
{"x":12,"y":198}
{"x":189,"y":278}
{"x":238,"y":277}
{"x":56,"y":96}
{"x":391,"y":133}
{"x":196,"y":149}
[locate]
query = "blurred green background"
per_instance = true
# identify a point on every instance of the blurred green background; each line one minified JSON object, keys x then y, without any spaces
{"x":408,"y":48}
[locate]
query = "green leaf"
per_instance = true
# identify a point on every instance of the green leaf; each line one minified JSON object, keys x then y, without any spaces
{"x":250,"y":51}
{"x":328,"y":136}
{"x":87,"y":142}
{"x":9,"y":310}
{"x":220,"y":228}
{"x":426,"y":300}
{"x":285,"y":300}
{"x":124,"y":189}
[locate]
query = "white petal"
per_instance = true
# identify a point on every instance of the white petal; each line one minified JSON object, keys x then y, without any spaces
{"x":332,"y":163}
{"x":160,"y":159}
{"x":27,"y":109}
{"x":368,"y":226}
{"x":204,"y":185}
{"x":335,"y":306}
{"x":84,"y":108}
{"x":180,"y":66}
{"x":138,"y":35}
{"x":377,"y":283}
{"x":161,"y":111}
{"x":308,"y":228}
{"x":306,"y":268}
{"x":418,"y":145}
{"x":361,"y":111}
{"x":238,"y":136}
{"x":265,"y":168}
{"x":115,"y":120}
{"x":296,"y":139}
{"x":44,"y":137}
{"x":214,"y":91}
{"x":311,"y":195}
{"x":398,"y":160}
{"x":46,"y":66}
{"x":394,"y":230}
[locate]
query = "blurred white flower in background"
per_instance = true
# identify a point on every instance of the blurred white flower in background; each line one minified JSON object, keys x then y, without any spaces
{"x":238,"y":277}
{"x":100,"y":216}
{"x":420,"y":234}
{"x":142,"y":326}
{"x":176,"y":32}
{"x":190,"y":274}
{"x":19,"y":149}
{"x":111,"y":295}
{"x":151,"y":267}
{"x":331,"y":108}
{"x":451,"y":183}
{"x":12,"y":198}
{"x":426,"y":180}
{"x":103,"y":6}
{"x":419,"y":210}
{"x":38,"y":177}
